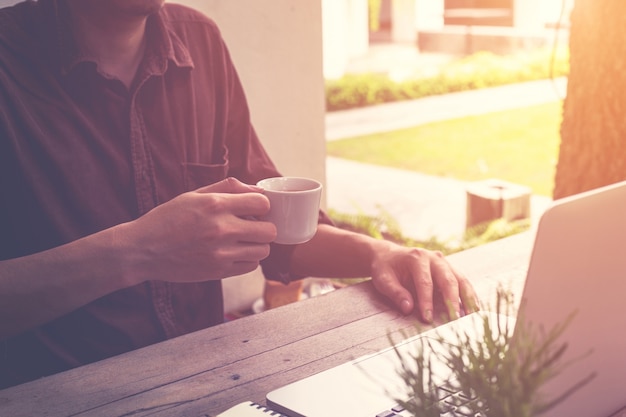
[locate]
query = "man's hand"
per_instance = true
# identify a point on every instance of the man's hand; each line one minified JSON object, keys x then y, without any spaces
{"x":209,"y":233}
{"x":410,"y":276}
{"x":201,"y":235}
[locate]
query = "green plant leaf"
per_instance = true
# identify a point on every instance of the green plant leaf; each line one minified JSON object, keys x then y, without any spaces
{"x":504,"y":370}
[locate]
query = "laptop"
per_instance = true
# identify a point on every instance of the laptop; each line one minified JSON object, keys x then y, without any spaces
{"x":578,"y":264}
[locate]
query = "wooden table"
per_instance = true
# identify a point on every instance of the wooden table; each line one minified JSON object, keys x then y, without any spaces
{"x":204,"y":373}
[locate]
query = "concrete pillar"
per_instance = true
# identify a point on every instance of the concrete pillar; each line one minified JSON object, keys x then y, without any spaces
{"x":553,"y":10}
{"x":358,"y":27}
{"x":527,"y":14}
{"x":403,"y":28}
{"x":335,"y":44}
{"x":428,"y":14}
{"x":345,"y":34}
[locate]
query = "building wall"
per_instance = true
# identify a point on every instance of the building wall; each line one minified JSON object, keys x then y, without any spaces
{"x":403,"y":17}
{"x":429,"y":14}
{"x":345,"y":34}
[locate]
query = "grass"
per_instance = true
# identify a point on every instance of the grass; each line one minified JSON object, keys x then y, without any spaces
{"x":520,"y":146}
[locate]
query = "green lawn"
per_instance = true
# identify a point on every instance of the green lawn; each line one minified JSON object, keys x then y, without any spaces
{"x":519,"y":146}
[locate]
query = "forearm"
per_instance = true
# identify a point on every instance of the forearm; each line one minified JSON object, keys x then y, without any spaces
{"x":194,"y":237}
{"x":41,"y":287}
{"x":407,"y":276}
{"x":336,"y":253}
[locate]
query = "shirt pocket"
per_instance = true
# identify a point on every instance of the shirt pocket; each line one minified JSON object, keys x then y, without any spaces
{"x":199,"y":175}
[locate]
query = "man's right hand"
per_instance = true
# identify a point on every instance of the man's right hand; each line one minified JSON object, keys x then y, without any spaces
{"x":209,"y":233}
{"x":200,"y":235}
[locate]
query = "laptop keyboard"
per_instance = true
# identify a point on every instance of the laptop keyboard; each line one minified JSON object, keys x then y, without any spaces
{"x":452,"y":402}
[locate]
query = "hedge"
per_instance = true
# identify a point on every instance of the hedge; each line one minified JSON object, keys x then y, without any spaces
{"x":483,"y":69}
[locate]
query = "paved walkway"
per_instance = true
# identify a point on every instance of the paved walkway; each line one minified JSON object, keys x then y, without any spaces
{"x":403,"y":114}
{"x":424,"y":206}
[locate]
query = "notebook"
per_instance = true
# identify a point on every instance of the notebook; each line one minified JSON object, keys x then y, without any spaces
{"x":578,"y":263}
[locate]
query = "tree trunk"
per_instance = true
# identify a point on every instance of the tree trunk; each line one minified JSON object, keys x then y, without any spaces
{"x":593,"y":131}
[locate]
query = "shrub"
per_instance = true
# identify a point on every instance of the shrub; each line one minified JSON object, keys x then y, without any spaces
{"x":384,"y":226}
{"x":480,"y":70}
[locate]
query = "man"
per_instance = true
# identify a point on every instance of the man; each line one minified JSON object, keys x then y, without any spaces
{"x":126,"y":151}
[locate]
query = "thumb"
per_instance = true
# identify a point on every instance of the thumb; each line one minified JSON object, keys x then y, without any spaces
{"x":230,"y":185}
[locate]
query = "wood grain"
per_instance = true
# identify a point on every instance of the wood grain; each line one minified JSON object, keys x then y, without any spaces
{"x":206,"y":372}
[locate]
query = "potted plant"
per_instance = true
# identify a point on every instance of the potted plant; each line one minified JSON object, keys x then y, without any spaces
{"x":496,"y":375}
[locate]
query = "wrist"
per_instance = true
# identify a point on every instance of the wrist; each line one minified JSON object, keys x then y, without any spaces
{"x":126,"y":255}
{"x":339,"y":253}
{"x":367,"y":249}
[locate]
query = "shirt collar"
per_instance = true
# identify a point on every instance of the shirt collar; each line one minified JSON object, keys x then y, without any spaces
{"x":163,"y":44}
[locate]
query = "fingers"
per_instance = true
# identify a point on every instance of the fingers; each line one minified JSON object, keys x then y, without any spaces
{"x":414,"y":277}
{"x":257,"y":231}
{"x":245,"y":209}
{"x":447,"y":283}
{"x":387,"y":284}
{"x":249,"y":205}
{"x":230,"y":185}
{"x":246,"y":204}
{"x":239,"y":199}
{"x":424,"y":286}
{"x":469,"y":298}
{"x":459,"y":289}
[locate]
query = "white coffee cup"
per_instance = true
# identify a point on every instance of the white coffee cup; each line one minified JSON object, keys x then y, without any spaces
{"x":294,"y":207}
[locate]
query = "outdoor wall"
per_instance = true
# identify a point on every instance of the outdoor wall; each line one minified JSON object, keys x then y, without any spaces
{"x":404,"y":19}
{"x":345,"y":34}
{"x":429,"y":14}
{"x":527,"y":14}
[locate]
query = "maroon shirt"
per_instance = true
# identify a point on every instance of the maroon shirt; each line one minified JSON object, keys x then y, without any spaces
{"x":79,"y":152}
